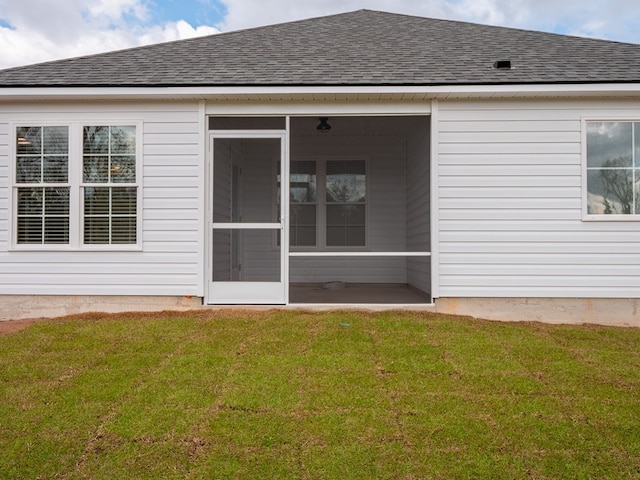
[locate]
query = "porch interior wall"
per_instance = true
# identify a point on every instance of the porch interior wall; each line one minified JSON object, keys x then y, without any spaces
{"x":384,"y":149}
{"x":419,"y":205}
{"x":260,"y":257}
{"x":223,"y":163}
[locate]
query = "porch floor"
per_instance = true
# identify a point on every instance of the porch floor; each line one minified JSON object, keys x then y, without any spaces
{"x":374,"y":293}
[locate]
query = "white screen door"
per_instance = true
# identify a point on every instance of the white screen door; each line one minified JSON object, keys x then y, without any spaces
{"x":248,"y":238}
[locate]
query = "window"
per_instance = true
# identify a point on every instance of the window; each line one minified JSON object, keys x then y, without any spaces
{"x":108,"y":170}
{"x":42,"y":178}
{"x":346,"y":203}
{"x":302,"y":204}
{"x":327,"y":204}
{"x":613,"y":168}
{"x":76,"y":185}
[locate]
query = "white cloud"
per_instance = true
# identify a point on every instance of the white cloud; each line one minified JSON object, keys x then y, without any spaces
{"x":612,"y":19}
{"x":115,"y":9}
{"x":42,"y":30}
{"x":174,"y":31}
{"x":251,"y":13}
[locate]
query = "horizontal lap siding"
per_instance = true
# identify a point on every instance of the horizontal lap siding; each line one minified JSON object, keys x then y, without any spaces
{"x":510,"y":208}
{"x":170,"y":261}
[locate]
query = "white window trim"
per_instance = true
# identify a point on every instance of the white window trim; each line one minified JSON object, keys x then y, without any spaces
{"x":321,"y":221}
{"x":76,"y":201}
{"x":14,"y":186}
{"x":592,"y":217}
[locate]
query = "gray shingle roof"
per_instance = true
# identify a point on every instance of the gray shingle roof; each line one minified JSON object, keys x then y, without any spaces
{"x":359,"y":48}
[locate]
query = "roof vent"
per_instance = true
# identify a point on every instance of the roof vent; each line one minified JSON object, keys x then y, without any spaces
{"x":502,"y":65}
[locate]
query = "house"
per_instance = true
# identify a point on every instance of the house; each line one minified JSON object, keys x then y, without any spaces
{"x":364,"y":158}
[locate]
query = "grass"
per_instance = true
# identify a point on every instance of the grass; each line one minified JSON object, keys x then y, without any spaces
{"x":332,"y":395}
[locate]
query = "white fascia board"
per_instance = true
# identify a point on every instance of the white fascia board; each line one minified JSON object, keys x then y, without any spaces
{"x":535,"y":90}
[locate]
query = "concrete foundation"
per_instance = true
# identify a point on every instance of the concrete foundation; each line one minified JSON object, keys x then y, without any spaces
{"x":614,"y":312}
{"x":17,"y":307}
{"x":623,"y":312}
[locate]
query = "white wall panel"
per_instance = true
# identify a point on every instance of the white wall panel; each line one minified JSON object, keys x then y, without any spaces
{"x":510,"y":217}
{"x":170,"y":262}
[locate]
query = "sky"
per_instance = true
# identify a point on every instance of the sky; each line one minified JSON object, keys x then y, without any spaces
{"x":33,"y":31}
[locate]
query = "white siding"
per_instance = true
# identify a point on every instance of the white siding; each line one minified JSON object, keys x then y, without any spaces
{"x":510,"y":218}
{"x":172,"y":209}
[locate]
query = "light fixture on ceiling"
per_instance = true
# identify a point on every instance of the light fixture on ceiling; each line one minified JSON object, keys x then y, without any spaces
{"x":323,"y":126}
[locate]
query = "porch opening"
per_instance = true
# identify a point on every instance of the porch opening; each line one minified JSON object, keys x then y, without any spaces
{"x":359,"y":211}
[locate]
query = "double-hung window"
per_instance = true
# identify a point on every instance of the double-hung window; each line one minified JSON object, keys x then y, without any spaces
{"x":108,"y":184}
{"x":613,"y":169}
{"x":42,"y":185}
{"x":327,"y":204}
{"x":76,"y":185}
{"x":345,"y":203}
{"x":303,"y":204}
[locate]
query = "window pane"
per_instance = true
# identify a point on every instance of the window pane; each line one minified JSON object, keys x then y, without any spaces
{"x":30,"y":201}
{"x":123,"y":140}
{"x":610,"y":191}
{"x":345,"y":214}
{"x":345,"y":181}
{"x":96,"y":201}
{"x":56,"y":230}
{"x":123,"y":169}
{"x":29,"y":230}
{"x":28,"y":170}
{"x":55,"y":169}
{"x":354,"y":236}
{"x":303,"y":214}
{"x":303,"y":236}
{"x":56,"y":140}
{"x":95,"y":140}
{"x":123,"y":201}
{"x":336,"y":236}
{"x":302,"y":185}
{"x":123,"y":230}
{"x":302,"y":225}
{"x":29,"y":140}
{"x":609,"y":144}
{"x":95,"y":169}
{"x":96,"y":230}
{"x":56,"y":201}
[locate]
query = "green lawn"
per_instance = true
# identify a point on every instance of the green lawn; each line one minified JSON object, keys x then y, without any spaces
{"x":331,"y":395}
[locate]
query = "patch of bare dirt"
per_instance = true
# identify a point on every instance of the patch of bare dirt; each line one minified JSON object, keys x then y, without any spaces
{"x":8,"y":327}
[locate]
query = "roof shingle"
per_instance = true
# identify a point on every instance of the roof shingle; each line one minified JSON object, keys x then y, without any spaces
{"x":358,"y":48}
